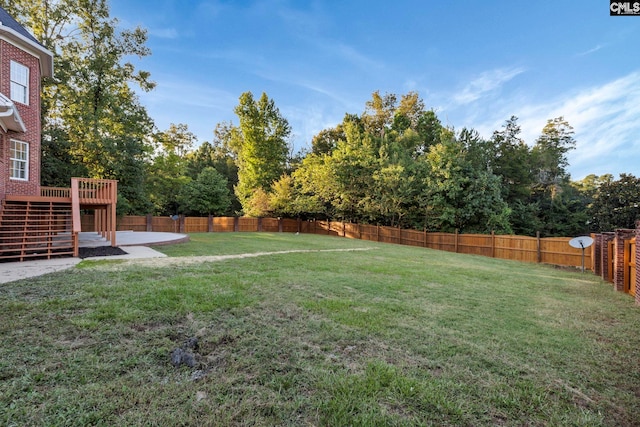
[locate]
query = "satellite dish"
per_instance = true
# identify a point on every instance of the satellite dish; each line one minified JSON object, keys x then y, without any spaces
{"x":581,"y":242}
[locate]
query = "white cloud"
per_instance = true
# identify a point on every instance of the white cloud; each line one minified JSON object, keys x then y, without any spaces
{"x":604,"y":118}
{"x":590,"y":51}
{"x":209,"y":9}
{"x":308,"y":122}
{"x":350,"y":54}
{"x":485,"y":83}
{"x":175,"y":100}
{"x":164,"y":33}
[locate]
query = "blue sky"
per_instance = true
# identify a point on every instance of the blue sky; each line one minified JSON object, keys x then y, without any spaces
{"x":476,"y":63}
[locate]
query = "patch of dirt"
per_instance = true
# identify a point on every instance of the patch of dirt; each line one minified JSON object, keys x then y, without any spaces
{"x":183,"y":261}
{"x":100,"y":251}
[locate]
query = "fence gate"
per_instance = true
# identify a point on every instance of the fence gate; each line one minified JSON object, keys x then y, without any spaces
{"x":630,"y":266}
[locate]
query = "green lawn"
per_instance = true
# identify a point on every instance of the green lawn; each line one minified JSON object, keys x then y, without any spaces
{"x":393,"y":335}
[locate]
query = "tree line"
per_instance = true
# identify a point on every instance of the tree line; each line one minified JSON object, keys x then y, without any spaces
{"x":392,"y":164}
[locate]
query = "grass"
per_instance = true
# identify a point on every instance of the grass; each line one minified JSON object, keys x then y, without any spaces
{"x":390,"y":336}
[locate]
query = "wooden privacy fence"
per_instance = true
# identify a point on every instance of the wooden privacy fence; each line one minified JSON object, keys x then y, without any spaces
{"x":554,"y":250}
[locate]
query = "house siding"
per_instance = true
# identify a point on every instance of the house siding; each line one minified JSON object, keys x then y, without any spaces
{"x":30,"y":115}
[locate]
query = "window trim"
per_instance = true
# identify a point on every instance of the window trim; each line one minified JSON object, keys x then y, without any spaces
{"x":19,"y":86}
{"x":14,"y":161}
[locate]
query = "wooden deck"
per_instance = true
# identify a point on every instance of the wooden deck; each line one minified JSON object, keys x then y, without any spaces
{"x":34,"y":226}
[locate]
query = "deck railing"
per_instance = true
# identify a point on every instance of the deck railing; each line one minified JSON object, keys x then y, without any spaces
{"x":95,"y":191}
{"x":90,"y":191}
{"x":101,"y":194}
{"x":58,"y":192}
{"x":75,"y":203}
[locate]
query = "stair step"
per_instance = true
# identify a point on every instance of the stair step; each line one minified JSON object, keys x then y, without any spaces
{"x":31,"y":230}
{"x":40,"y":255}
{"x":45,"y":242}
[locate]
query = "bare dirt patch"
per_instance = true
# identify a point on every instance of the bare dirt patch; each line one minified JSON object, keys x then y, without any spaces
{"x":184,"y":261}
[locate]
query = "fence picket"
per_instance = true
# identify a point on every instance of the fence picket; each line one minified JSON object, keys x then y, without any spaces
{"x":519,"y":248}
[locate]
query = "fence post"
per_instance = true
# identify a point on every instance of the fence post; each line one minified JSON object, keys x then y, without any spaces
{"x":596,"y":254}
{"x":210,"y":224}
{"x":259,"y":224}
{"x":328,"y":226}
{"x":378,"y":233}
{"x":456,"y":242}
{"x":279,"y":224}
{"x":359,"y":231}
{"x":538,"y":249}
{"x":493,"y":244}
{"x":149,"y":222}
{"x":606,"y":257}
{"x":181,"y":220}
{"x":620,"y":260}
{"x":637,"y":262}
{"x":299,"y":225}
{"x":236,"y":224}
{"x":344,"y":229}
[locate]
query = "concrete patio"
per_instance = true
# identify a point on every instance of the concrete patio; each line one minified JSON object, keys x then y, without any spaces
{"x":136,"y":244}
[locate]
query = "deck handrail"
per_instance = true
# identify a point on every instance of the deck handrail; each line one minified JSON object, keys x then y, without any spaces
{"x":60,"y":192}
{"x":101,"y":194}
{"x":96,"y":191}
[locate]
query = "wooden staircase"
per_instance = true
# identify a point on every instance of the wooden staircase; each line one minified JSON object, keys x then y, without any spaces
{"x":39,"y":229}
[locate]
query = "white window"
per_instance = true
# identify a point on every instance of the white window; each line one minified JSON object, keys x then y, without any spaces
{"x":19,"y":83}
{"x":19,"y":158}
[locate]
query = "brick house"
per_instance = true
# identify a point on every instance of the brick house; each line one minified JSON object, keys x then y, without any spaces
{"x":37,"y":222}
{"x":23,"y":64}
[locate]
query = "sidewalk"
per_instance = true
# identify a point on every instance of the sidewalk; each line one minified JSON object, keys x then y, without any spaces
{"x":134,"y":243}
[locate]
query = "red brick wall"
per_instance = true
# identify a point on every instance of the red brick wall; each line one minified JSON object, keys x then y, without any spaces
{"x":30,"y":115}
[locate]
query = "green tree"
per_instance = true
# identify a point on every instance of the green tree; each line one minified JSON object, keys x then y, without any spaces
{"x":378,"y":115}
{"x":217,"y":154}
{"x":616,"y":203}
{"x":327,"y":140}
{"x":167,"y":170}
{"x":283,"y":197}
{"x":366,"y":168}
{"x":565,"y":214}
{"x":257,"y":205}
{"x":89,"y":107}
{"x":560,"y":209}
{"x":206,"y":195}
{"x":314,"y":187}
{"x":460,"y":192}
{"x":351,"y":167}
{"x":408,"y":113}
{"x":512,"y":162}
{"x":549,"y":154}
{"x":58,"y":166}
{"x":430,"y":131}
{"x":260,"y":144}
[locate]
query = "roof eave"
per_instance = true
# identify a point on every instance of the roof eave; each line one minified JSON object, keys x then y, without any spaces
{"x":44,"y":54}
{"x":9,"y":116}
